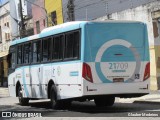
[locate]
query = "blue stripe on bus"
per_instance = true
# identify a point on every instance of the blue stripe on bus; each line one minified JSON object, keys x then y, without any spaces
{"x":74,"y":73}
{"x":24,"y":83}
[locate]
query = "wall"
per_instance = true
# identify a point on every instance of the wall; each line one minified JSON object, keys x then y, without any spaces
{"x":54,"y":5}
{"x":39,"y":14}
{"x":4,"y":18}
{"x":4,"y":46}
{"x":93,"y":9}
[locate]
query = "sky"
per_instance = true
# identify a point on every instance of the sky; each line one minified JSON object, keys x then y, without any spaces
{"x":3,"y":1}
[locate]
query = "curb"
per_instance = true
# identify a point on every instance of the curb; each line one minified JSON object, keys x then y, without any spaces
{"x":147,"y":102}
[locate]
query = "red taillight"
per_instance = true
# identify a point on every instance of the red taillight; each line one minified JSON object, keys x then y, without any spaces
{"x":147,"y":72}
{"x":86,"y":72}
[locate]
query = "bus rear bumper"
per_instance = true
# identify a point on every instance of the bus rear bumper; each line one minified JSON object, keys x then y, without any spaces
{"x":126,"y":90}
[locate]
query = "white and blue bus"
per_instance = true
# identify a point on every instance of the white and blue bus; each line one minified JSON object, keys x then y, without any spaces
{"x":81,"y":61}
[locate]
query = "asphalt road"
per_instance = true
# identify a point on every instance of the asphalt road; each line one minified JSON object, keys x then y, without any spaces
{"x":83,"y":109}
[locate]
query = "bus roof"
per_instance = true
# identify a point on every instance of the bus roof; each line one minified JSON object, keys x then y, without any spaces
{"x":64,"y":28}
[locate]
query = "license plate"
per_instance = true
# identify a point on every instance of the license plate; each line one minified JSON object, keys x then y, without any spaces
{"x":118,"y":80}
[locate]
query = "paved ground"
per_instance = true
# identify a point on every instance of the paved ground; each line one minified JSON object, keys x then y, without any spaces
{"x":4,"y":92}
{"x":122,"y":108}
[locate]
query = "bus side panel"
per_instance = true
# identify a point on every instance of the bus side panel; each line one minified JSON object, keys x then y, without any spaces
{"x":22,"y":76}
{"x":67,"y":82}
{"x":46,"y":76}
{"x":36,"y":77}
{"x":12,"y":84}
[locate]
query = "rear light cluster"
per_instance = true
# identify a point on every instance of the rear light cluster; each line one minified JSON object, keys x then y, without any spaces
{"x":86,"y":72}
{"x":147,"y":72}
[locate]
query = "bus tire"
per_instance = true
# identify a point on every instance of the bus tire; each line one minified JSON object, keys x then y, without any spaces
{"x":110,"y":100}
{"x":22,"y":101}
{"x":104,"y":101}
{"x":66,"y":104}
{"x":55,"y":104}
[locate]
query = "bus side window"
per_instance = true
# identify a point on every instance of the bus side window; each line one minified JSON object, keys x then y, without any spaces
{"x":36,"y":52}
{"x":76,"y":46}
{"x":46,"y":54}
{"x":72,"y":46}
{"x":57,"y":48}
{"x":27,"y":53}
{"x":19,"y":55}
{"x":11,"y":60}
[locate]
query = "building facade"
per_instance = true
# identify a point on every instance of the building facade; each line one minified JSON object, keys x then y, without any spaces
{"x":9,"y":30}
{"x":5,"y":38}
{"x":93,"y":9}
{"x":54,"y":11}
{"x":39,"y":16}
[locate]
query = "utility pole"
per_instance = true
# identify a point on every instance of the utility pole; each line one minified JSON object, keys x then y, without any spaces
{"x":22,"y":24}
{"x":70,"y":11}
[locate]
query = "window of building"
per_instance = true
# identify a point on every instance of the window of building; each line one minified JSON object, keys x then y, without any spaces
{"x":44,"y":23}
{"x":57,"y":48}
{"x":71,"y":46}
{"x":155,"y":29}
{"x":46,"y":54}
{"x":54,"y":17}
{"x":36,"y":51}
{"x":38,"y":27}
{"x":27,"y":53}
{"x":7,"y":35}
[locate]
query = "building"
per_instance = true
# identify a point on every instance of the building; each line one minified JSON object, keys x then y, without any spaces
{"x":10,"y":24}
{"x":54,"y":11}
{"x":27,"y":16}
{"x":93,"y":9}
{"x":5,"y":38}
{"x":39,"y":16}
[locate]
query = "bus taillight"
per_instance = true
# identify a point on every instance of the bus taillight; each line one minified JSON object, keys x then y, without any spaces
{"x":147,"y":72}
{"x":86,"y":72}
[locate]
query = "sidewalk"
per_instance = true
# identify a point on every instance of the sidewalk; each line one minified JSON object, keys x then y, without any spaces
{"x":153,"y":97}
{"x":4,"y":92}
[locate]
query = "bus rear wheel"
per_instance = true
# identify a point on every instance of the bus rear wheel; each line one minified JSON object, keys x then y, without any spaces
{"x":104,"y":101}
{"x":58,"y":104}
{"x":55,"y":104}
{"x":22,"y":101}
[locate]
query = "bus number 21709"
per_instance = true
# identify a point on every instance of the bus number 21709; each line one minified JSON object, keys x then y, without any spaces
{"x":118,"y":66}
